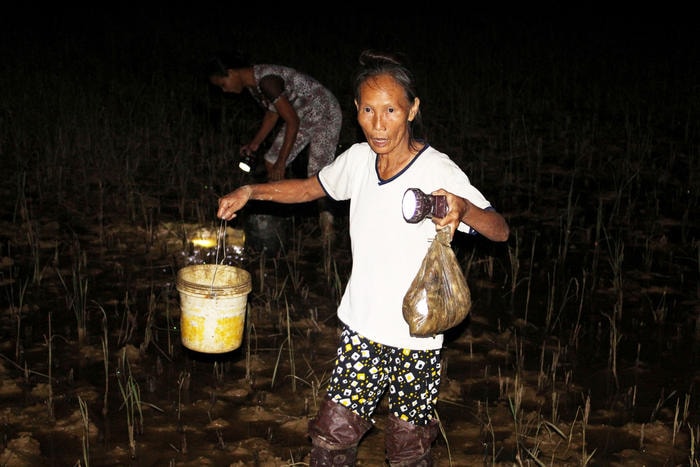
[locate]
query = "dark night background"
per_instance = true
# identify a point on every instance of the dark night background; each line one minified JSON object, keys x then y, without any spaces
{"x":539,"y":107}
{"x":526,"y":49}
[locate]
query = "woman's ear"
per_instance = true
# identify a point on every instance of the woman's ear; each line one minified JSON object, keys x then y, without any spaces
{"x":414,"y":109}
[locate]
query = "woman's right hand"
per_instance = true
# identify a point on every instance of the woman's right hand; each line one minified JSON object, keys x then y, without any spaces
{"x":231,"y":203}
{"x":249,"y":148}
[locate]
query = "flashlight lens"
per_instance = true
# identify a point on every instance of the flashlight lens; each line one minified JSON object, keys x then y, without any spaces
{"x":409,"y":204}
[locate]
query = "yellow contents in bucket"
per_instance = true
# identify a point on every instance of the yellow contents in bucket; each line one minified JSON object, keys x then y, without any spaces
{"x":213,"y":302}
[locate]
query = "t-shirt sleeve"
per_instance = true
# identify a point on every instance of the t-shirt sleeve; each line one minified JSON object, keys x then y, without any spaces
{"x":272,"y":86}
{"x":338,"y":177}
{"x":455,"y":180}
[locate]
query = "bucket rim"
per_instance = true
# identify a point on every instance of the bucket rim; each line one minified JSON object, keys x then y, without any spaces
{"x":243,"y":287}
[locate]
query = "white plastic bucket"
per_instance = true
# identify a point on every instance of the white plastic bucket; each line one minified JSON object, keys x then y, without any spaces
{"x":213,"y":303}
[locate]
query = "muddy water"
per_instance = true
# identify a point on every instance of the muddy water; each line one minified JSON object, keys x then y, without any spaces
{"x":131,"y":394}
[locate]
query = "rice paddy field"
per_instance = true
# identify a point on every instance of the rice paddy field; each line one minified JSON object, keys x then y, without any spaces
{"x":582,"y":347}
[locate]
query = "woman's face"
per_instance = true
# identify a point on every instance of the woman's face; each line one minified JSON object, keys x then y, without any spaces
{"x":230,"y":83}
{"x":384,"y":113}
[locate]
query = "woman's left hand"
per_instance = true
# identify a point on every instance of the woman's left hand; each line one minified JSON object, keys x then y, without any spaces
{"x":487,"y":222}
{"x":457,"y":208}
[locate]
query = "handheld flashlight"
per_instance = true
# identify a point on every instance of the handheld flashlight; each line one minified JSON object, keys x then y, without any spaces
{"x":418,"y":205}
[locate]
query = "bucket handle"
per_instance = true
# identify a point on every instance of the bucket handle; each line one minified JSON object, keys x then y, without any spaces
{"x":220,"y":246}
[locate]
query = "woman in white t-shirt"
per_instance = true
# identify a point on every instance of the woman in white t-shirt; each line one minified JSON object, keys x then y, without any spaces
{"x":377,"y":355}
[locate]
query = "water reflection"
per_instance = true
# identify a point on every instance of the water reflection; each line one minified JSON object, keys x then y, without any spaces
{"x":206,"y":245}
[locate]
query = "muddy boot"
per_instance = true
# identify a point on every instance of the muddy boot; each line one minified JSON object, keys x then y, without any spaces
{"x":408,"y":445}
{"x":335,"y":433}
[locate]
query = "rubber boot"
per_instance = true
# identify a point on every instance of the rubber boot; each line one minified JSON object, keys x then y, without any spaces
{"x":408,"y":445}
{"x":335,"y":433}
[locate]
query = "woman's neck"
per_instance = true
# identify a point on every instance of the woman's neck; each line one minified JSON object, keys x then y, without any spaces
{"x":392,"y":163}
{"x":247,"y":77}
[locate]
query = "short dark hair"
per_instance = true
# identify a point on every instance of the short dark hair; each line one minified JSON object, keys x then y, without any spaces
{"x":219,"y":64}
{"x":374,"y":63}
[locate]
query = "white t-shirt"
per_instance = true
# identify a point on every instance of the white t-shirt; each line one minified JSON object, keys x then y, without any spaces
{"x":386,"y":250}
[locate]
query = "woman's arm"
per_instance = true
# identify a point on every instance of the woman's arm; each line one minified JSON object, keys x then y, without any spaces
{"x":291,"y":129}
{"x":295,"y":190}
{"x":268,"y":123}
{"x":487,"y":222}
